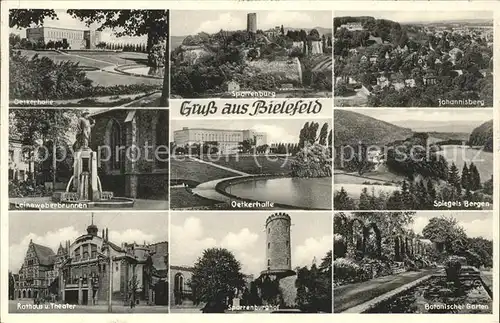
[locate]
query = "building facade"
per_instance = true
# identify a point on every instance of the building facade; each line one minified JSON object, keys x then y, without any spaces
{"x":81,"y":271}
{"x":134,"y":152}
{"x":77,"y":39}
{"x":181,"y":293}
{"x":19,"y":166}
{"x":228,"y":140}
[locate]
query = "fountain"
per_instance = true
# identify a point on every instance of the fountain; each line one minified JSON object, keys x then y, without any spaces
{"x":84,"y":186}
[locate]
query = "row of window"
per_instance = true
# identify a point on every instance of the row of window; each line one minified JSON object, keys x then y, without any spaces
{"x":64,"y":34}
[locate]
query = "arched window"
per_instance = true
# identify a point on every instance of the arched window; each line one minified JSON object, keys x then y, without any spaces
{"x":179,"y":283}
{"x":116,"y":144}
{"x":268,"y":245}
{"x":268,"y":262}
{"x":162,"y":141}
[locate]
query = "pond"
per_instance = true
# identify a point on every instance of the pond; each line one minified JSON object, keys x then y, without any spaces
{"x":308,"y":193}
{"x":156,"y":72}
{"x":436,"y":295}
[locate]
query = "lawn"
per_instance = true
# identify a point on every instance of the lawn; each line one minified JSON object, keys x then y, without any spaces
{"x":250,"y":164}
{"x":58,"y":58}
{"x":181,"y":198}
{"x":92,"y":59}
{"x":188,"y":169}
{"x":118,"y":58}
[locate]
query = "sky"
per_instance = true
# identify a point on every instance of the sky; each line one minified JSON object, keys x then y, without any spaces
{"x":66,"y":21}
{"x":464,"y":120}
{"x":281,"y":130}
{"x":475,"y":224}
{"x":50,"y":229}
{"x":183,"y":23}
{"x":420,"y":16}
{"x":243,"y":233}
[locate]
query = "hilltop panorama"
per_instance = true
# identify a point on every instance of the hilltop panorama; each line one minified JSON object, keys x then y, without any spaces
{"x":281,"y":61}
{"x":382,"y":63}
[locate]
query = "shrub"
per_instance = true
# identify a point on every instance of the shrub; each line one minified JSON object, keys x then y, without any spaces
{"x":312,"y":161}
{"x":347,"y":271}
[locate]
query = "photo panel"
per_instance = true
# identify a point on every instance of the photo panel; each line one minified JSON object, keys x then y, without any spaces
{"x":259,"y":262}
{"x":88,"y":58}
{"x":413,"y":58}
{"x":88,"y":262}
{"x":416,"y":262}
{"x":103,"y":159}
{"x":413,"y":159}
{"x":251,"y":164}
{"x":236,"y":54}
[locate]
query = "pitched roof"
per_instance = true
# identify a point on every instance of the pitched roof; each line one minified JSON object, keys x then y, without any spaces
{"x":44,"y":254}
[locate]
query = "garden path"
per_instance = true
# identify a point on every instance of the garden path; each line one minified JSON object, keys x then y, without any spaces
{"x":220,"y":166}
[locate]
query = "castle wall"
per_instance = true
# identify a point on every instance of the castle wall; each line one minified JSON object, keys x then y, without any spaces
{"x":284,"y":70}
{"x":288,"y":290}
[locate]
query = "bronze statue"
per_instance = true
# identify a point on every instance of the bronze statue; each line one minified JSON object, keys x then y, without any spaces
{"x":84,"y":128}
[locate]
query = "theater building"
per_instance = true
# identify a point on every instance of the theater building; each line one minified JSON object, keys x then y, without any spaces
{"x":133,"y":148}
{"x":80,"y":271}
{"x":228,"y":140}
{"x":77,"y":39}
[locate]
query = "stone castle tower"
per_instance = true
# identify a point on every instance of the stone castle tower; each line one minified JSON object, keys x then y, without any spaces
{"x":252,"y":22}
{"x":278,"y":250}
{"x":278,"y":256}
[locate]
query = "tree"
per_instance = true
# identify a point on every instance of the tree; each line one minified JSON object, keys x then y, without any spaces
{"x":11,"y":286}
{"x":465,"y":181}
{"x":475,"y":178}
{"x":216,"y":275}
{"x":445,"y":231}
{"x":25,"y":18}
{"x":323,"y":134}
{"x":342,"y":201}
{"x":454,"y":178}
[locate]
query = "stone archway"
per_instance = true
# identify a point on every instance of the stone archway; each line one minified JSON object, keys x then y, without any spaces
{"x":178,"y":288}
{"x":356,"y":242}
{"x":378,"y":237}
{"x":29,"y":293}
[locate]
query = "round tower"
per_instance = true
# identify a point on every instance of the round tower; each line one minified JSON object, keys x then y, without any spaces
{"x":252,"y":22}
{"x":278,"y":250}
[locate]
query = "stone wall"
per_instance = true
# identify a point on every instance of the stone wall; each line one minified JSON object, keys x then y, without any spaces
{"x":141,"y":176}
{"x":287,"y":70}
{"x":288,"y":290}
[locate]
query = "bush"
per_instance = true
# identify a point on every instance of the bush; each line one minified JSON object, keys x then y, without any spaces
{"x":312,"y":161}
{"x":41,"y":78}
{"x":347,"y":271}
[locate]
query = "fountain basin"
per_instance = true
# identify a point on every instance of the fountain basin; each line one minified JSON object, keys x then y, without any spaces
{"x":107,"y":200}
{"x":115,"y":202}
